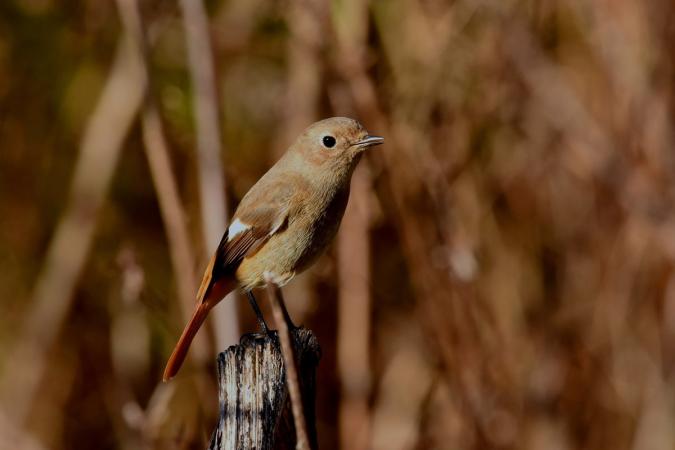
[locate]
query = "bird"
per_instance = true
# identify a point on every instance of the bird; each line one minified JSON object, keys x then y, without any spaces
{"x":284,"y":222}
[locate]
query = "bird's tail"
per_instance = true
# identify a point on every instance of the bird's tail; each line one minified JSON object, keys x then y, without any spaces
{"x":180,"y":351}
{"x":214,"y":293}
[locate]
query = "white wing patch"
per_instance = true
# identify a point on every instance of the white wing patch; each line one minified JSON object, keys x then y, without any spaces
{"x":236,"y":227}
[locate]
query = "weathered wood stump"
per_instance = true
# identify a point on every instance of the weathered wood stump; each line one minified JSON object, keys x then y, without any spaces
{"x":255,"y":408}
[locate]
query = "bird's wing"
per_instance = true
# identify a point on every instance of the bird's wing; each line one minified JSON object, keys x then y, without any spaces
{"x":261,"y":213}
{"x":246,"y":235}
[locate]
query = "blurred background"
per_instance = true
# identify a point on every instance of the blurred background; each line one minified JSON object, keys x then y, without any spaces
{"x":504,"y":276}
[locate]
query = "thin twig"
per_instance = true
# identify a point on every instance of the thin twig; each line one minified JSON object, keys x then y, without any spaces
{"x":281,"y":319}
{"x":102,"y":141}
{"x":306,"y":21}
{"x":433,"y":286}
{"x":173,"y":216}
{"x":354,"y":302}
{"x":211,"y":175}
{"x":354,"y":316}
{"x":166,"y":187}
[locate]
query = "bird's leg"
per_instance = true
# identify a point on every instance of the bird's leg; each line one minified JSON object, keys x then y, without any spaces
{"x":261,"y":320}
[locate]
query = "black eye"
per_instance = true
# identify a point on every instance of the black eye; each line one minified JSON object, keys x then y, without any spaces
{"x":328,"y":141}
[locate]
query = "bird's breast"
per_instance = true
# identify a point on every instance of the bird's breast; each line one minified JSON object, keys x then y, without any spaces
{"x":294,"y":248}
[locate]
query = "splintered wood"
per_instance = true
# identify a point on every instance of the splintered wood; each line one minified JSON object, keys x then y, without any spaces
{"x":255,"y":407}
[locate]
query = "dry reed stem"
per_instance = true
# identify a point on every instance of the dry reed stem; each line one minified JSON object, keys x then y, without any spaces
{"x":354,"y":316}
{"x":354,"y":298}
{"x":211,"y":175}
{"x":281,"y":319}
{"x":450,"y":321}
{"x":173,"y":215}
{"x":159,"y":161}
{"x":120,"y":101}
{"x":303,"y":87}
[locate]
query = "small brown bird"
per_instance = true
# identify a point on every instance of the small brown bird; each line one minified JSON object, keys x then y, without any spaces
{"x":284,"y":222}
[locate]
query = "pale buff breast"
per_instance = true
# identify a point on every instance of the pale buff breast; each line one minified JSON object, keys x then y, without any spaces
{"x":294,"y":248}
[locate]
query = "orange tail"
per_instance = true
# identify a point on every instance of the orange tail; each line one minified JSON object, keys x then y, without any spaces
{"x":181,"y":349}
{"x":210,"y":293}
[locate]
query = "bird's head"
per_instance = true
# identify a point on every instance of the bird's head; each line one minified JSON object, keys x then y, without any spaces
{"x":334,"y":143}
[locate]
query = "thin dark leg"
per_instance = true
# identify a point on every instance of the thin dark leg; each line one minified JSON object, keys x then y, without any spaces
{"x":258,"y":313}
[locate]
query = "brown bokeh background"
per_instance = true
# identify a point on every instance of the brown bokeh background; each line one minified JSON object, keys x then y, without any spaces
{"x":505,"y":273}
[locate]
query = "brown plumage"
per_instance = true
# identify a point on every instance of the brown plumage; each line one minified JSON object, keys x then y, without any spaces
{"x":285,"y":221}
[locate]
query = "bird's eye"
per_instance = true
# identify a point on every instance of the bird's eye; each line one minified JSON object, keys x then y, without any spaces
{"x":328,"y":141}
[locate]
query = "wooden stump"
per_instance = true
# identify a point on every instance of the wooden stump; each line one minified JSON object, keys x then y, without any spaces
{"x":255,"y":409}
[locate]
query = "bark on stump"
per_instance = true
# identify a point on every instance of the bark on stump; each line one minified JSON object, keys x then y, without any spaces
{"x":255,"y":408}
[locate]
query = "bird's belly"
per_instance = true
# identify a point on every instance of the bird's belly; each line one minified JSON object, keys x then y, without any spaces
{"x":284,"y":255}
{"x":293,"y":249}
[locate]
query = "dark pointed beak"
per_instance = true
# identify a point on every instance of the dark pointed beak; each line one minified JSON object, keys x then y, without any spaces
{"x":369,"y":141}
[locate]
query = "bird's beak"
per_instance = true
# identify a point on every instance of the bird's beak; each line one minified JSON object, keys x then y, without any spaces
{"x":369,"y":141}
